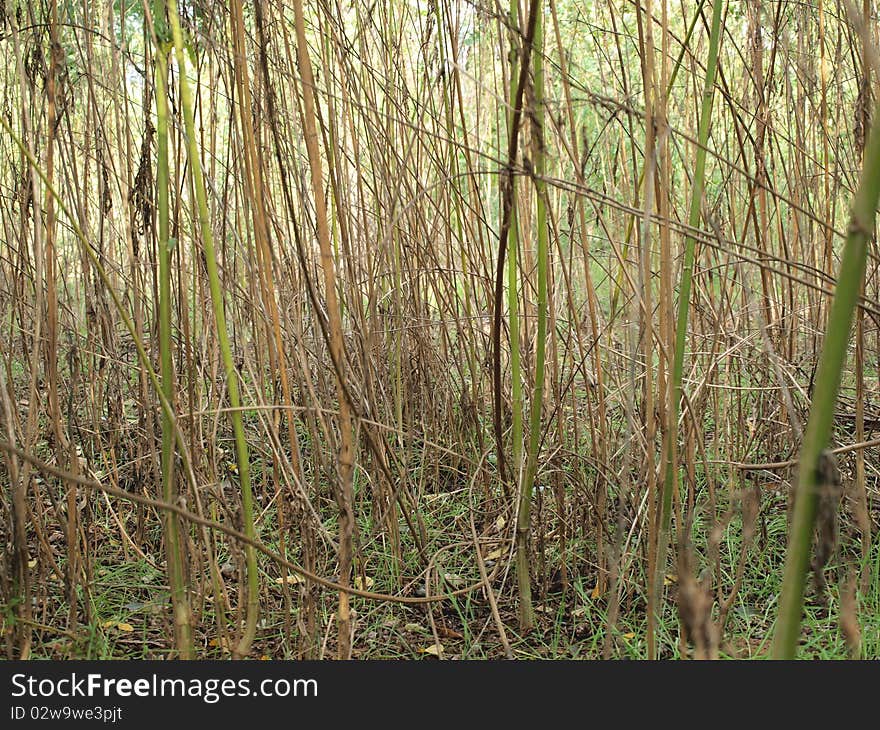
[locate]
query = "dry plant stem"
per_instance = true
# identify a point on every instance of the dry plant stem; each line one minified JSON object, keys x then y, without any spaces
{"x":62,"y":445}
{"x":143,"y":359}
{"x":600,"y":443}
{"x":255,"y":187}
{"x":670,"y":481}
{"x":241,"y":447}
{"x":644,"y":300}
{"x":19,"y":553}
{"x":413,"y":113}
{"x":487,"y":586}
{"x":345,"y":459}
{"x":825,"y":390}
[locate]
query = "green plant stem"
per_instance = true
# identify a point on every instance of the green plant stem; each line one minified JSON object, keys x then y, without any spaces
{"x":516,"y":406}
{"x":508,"y":202}
{"x":526,"y":612}
{"x":825,"y":389}
{"x":241,"y":447}
{"x":176,"y":565}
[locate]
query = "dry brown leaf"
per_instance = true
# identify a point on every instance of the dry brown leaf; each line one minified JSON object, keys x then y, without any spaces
{"x":434,"y":650}
{"x":494,"y":555}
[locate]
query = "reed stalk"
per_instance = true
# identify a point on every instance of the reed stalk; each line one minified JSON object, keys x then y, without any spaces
{"x":813,"y":467}
{"x":242,"y":456}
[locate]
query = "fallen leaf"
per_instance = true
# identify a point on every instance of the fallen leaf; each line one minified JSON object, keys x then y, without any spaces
{"x":670,"y":579}
{"x":108,"y":624}
{"x":456,"y":581}
{"x":415,"y":627}
{"x":363,"y":585}
{"x":595,"y":592}
{"x":127,"y":628}
{"x":494,"y":555}
{"x":630,"y":635}
{"x":500,"y":523}
{"x":32,"y":564}
{"x":433,"y":650}
{"x":290,"y":580}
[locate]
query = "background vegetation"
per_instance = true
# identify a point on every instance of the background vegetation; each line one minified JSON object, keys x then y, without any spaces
{"x":435,"y":328}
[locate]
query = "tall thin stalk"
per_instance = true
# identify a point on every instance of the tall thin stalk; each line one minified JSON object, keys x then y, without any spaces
{"x":526,"y":611}
{"x":670,"y":482}
{"x":345,"y":458}
{"x":507,"y":197}
{"x":513,"y":320}
{"x":813,"y":467}
{"x":176,"y":564}
{"x":241,"y":447}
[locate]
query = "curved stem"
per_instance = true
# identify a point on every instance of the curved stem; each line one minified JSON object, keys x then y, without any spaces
{"x":241,"y":447}
{"x":812,"y":475}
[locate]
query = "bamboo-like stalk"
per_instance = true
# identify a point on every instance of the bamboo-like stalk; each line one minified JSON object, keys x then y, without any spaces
{"x":175,"y":556}
{"x":255,"y":186}
{"x":507,"y":196}
{"x":811,"y":474}
{"x":63,"y":447}
{"x":523,"y":520}
{"x":513,"y":242}
{"x":345,"y":458}
{"x":670,"y":481}
{"x":645,"y":299}
{"x":241,"y":447}
{"x":862,"y":511}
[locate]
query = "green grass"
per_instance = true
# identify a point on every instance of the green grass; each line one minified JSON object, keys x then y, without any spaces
{"x":570,"y":626}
